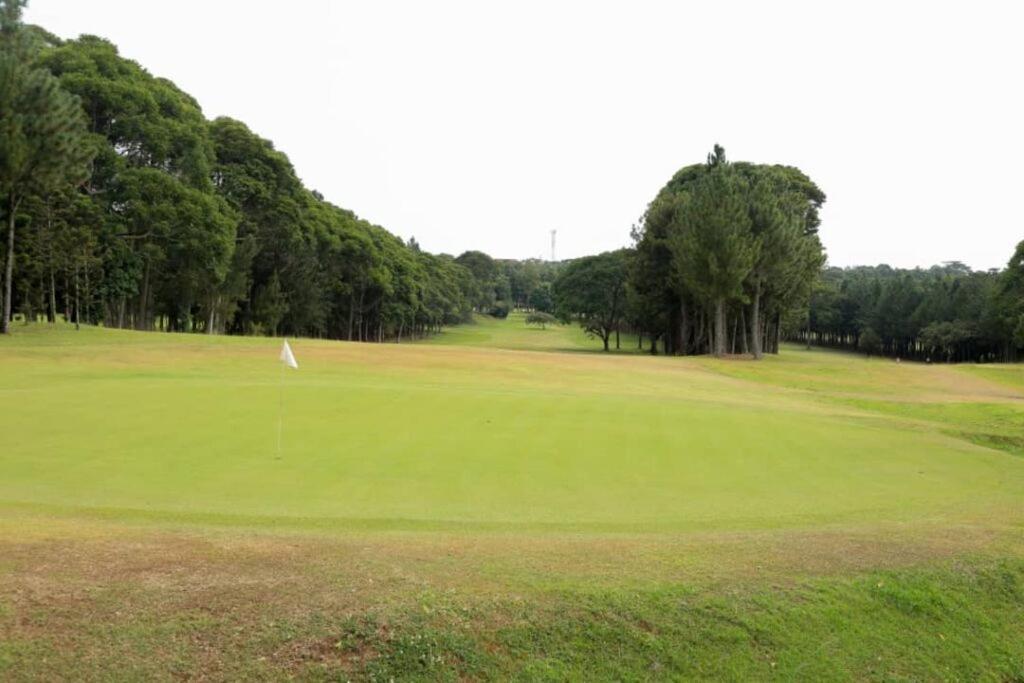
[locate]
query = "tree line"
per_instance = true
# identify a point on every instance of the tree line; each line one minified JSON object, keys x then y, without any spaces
{"x":946,"y":313}
{"x":126,"y":207}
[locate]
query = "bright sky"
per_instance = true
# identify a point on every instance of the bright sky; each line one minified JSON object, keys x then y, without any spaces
{"x":484,"y":125}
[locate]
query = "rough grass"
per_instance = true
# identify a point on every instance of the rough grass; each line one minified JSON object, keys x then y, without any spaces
{"x":494,"y":508}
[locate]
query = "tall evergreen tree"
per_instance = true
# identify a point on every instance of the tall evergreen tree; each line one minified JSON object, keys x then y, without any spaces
{"x":715,"y":248}
{"x":43,"y":142}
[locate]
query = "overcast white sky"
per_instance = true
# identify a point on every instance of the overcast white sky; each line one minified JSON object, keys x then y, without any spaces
{"x":483,"y":125}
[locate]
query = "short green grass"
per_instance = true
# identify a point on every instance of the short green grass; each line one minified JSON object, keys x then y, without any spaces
{"x":402,"y":436}
{"x":514,"y":334}
{"x":487,"y":505}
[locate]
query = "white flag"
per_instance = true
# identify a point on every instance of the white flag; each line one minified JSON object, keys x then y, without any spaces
{"x":287,"y":357}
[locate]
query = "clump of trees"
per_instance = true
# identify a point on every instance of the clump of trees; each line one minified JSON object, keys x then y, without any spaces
{"x":136,"y":211}
{"x":723,"y":253}
{"x":500,"y":285}
{"x":946,"y":313}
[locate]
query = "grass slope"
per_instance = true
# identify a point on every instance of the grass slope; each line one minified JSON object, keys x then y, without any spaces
{"x":486,"y":505}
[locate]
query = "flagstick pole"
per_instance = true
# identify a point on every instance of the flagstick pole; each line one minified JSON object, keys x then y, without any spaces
{"x":280,"y":411}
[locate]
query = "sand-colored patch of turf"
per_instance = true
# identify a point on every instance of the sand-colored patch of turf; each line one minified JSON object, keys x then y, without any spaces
{"x":487,"y":506}
{"x":108,"y":601}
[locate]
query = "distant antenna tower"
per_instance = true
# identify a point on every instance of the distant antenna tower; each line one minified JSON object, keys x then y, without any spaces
{"x":553,"y":233}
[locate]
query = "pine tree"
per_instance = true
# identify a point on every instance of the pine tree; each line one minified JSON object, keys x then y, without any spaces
{"x":715,"y":249}
{"x":44,"y":146}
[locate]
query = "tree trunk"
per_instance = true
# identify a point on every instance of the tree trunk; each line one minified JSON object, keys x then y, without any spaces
{"x":719,"y":347}
{"x":213,"y":314}
{"x":52,"y":313}
{"x":361,"y":327}
{"x":26,"y":306}
{"x":78,"y":305}
{"x":605,"y":337}
{"x":698,"y":339}
{"x":755,"y":321}
{"x":743,"y":330}
{"x":776,"y":331}
{"x":12,"y":210}
{"x":684,"y":328}
{"x":351,"y":313}
{"x":87,"y":294}
{"x":617,"y":346}
{"x":142,"y":313}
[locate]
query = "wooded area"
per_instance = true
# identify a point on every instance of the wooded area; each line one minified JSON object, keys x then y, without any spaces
{"x":124,"y":206}
{"x":946,"y":313}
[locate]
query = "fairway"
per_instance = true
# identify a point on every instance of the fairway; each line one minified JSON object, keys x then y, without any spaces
{"x":401,"y":436}
{"x":492,"y":465}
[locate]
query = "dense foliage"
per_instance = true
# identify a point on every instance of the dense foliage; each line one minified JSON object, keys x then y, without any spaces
{"x":131,"y":209}
{"x":723,"y":252}
{"x":43,"y":145}
{"x":945,"y":313}
{"x":592,"y":290}
{"x":193,"y":225}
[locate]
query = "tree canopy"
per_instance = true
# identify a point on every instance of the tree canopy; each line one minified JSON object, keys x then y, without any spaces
{"x":943,"y":313}
{"x":725,"y":242}
{"x":592,"y":291}
{"x":186,"y":224}
{"x":43,"y":144}
{"x":125,"y":206}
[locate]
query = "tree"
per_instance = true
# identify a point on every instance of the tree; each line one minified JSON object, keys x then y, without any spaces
{"x":783,"y":218}
{"x":270,"y":306}
{"x":715,"y":249}
{"x":43,"y":143}
{"x":782,"y":206}
{"x":592,"y":291}
{"x":540,"y":298}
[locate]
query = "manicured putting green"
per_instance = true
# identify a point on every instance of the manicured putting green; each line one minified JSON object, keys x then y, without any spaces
{"x":405,"y":436}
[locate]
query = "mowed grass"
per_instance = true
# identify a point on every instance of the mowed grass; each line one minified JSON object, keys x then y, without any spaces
{"x":487,"y":505}
{"x":402,"y":436}
{"x":514,"y":334}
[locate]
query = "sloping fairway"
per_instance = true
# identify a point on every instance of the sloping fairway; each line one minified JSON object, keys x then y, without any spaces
{"x":514,"y":334}
{"x":487,"y":505}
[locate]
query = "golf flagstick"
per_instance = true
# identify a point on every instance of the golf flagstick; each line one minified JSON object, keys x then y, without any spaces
{"x":287,"y":358}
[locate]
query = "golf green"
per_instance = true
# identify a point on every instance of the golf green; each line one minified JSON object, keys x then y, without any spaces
{"x":406,"y":436}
